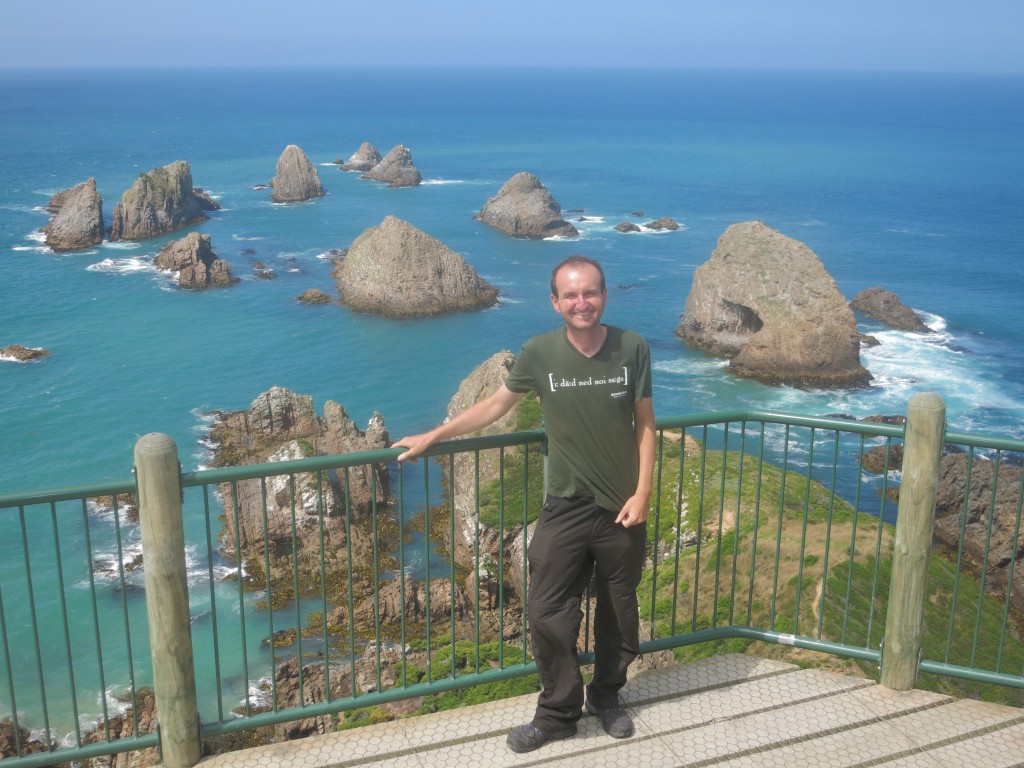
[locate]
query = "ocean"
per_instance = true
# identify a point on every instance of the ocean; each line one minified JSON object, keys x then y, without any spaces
{"x":914,"y":182}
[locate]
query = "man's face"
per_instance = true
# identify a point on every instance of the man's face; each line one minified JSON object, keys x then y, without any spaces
{"x":580,"y":300}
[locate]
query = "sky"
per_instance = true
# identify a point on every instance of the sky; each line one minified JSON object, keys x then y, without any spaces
{"x":879,"y":35}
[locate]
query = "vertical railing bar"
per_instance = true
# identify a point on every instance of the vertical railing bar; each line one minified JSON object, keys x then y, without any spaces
{"x":803,"y":535}
{"x":213,"y":605}
{"x":321,"y":514}
{"x":62,"y":592}
{"x":679,"y":533}
{"x":403,"y":622}
{"x":97,"y":636}
{"x":346,"y":476}
{"x":1009,"y":578}
{"x":985,"y":557}
{"x":656,"y":547}
{"x":35,"y":628}
{"x":700,"y":526}
{"x":757,"y":526}
{"x":853,"y":540}
{"x":736,"y":522}
{"x":295,"y":589}
{"x":721,"y":523}
{"x":828,"y":532}
{"x":451,"y":559}
{"x":965,"y":511}
{"x":476,"y":556}
{"x":778,"y":535}
{"x":878,"y":540}
{"x":501,"y":554}
{"x":241,"y":594}
{"x":127,"y":625}
{"x":524,"y":638}
{"x":426,"y":567}
{"x":378,"y":640}
{"x":270,"y":592}
{"x":15,"y":725}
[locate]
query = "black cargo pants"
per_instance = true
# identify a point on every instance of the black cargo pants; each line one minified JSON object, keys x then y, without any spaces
{"x":574,"y":539}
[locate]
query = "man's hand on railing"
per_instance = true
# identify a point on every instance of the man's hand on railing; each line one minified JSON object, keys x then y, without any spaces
{"x":416,"y":444}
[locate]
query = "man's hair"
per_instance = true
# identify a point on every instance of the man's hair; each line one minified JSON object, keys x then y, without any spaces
{"x":576,"y":260}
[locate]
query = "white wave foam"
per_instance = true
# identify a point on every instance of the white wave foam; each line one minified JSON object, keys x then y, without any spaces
{"x":124,"y":266}
{"x":122,"y":245}
{"x":36,"y":236}
{"x":434,"y":182}
{"x":247,"y":238}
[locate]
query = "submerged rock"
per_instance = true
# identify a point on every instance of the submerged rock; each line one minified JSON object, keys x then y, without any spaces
{"x":363,"y":159}
{"x":198,"y":267}
{"x":160,"y":201}
{"x":396,"y":169}
{"x":766,"y":302}
{"x":524,"y":208}
{"x":295,"y":179}
{"x":396,"y":269}
{"x":886,"y":307}
{"x":78,"y":218}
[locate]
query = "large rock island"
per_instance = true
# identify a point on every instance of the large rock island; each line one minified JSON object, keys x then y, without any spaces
{"x":524,"y":208}
{"x":396,"y":269}
{"x":78,"y":218}
{"x":396,"y":169}
{"x":766,"y":302}
{"x":295,"y":179}
{"x":160,"y":201}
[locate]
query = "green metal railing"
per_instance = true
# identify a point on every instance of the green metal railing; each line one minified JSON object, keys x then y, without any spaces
{"x":320,"y":588}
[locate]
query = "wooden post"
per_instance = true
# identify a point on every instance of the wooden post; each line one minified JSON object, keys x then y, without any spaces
{"x":922,"y":449}
{"x":170,"y":629}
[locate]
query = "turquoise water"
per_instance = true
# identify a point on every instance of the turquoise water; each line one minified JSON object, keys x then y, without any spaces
{"x":913,"y":182}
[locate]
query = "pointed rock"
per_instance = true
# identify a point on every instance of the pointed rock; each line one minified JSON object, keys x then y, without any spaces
{"x":524,"y":208}
{"x":160,"y":201}
{"x":767,"y":303}
{"x":886,"y":307}
{"x":396,"y":269}
{"x":363,"y":159}
{"x":295,"y":180}
{"x":78,"y":218}
{"x":396,"y":169}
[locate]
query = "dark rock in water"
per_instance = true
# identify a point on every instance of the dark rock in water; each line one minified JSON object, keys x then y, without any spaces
{"x":363,"y":159}
{"x":160,"y":201}
{"x":396,"y":169}
{"x":663,"y":223}
{"x":206,"y":202}
{"x":524,"y":208}
{"x":22,"y":354}
{"x":766,"y":302}
{"x":396,"y":269}
{"x":198,"y":267}
{"x":313,"y":296}
{"x":638,"y":214}
{"x":627,"y":226}
{"x":295,"y":179}
{"x":78,"y":218}
{"x":886,"y":307}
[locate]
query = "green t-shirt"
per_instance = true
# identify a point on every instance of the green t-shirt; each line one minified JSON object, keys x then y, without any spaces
{"x":588,"y":405}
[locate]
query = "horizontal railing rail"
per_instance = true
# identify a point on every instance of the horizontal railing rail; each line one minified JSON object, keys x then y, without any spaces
{"x":323,"y":589}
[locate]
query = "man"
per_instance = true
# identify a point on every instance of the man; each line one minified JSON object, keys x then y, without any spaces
{"x":594,"y":384}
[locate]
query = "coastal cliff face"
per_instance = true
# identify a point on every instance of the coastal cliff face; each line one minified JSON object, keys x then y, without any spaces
{"x":524,"y":208}
{"x":279,"y":426}
{"x":396,"y":269}
{"x":78,"y":218}
{"x":160,"y":201}
{"x":885,"y":306}
{"x":198,"y":267}
{"x":396,"y":169}
{"x":363,"y":159}
{"x":295,"y":179}
{"x":766,"y":302}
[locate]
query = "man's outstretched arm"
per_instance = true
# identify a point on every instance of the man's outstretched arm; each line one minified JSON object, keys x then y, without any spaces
{"x":477,"y":416}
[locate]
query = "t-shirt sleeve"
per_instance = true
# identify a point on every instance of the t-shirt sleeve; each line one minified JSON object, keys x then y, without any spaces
{"x":643,"y":367}
{"x":521,"y":379}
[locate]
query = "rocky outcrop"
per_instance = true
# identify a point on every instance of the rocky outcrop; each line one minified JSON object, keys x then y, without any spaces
{"x":206,"y":202}
{"x":524,"y":208}
{"x":396,"y":169}
{"x":295,"y":179}
{"x":20,"y":354}
{"x":663,"y":223}
{"x":160,"y":201}
{"x":140,"y":718}
{"x":198,"y":267}
{"x":15,"y":740}
{"x":398,"y":270}
{"x":886,"y":307}
{"x":363,"y":159}
{"x":280,"y":426}
{"x":313,"y":296}
{"x":627,"y":226}
{"x":766,"y":302}
{"x":78,"y":218}
{"x":990,"y":529}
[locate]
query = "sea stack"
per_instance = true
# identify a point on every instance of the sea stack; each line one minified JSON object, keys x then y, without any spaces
{"x":295,"y":179}
{"x":78,"y":218}
{"x":398,"y":270}
{"x":363,"y":159}
{"x":524,"y":208}
{"x":766,"y":302}
{"x":886,"y":307}
{"x":160,"y":201}
{"x":396,"y":169}
{"x":198,"y":267}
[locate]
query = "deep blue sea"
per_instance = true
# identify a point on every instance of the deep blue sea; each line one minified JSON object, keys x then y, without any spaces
{"x":910,"y":181}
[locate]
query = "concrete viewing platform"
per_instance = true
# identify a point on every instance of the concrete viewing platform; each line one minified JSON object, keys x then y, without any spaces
{"x":732,"y":710}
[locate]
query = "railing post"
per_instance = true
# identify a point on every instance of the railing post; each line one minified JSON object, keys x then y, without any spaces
{"x":170,"y":632}
{"x":922,"y":449}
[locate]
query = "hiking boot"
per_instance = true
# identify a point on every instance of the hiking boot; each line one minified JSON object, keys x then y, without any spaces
{"x":615,"y":721}
{"x":529,"y":737}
